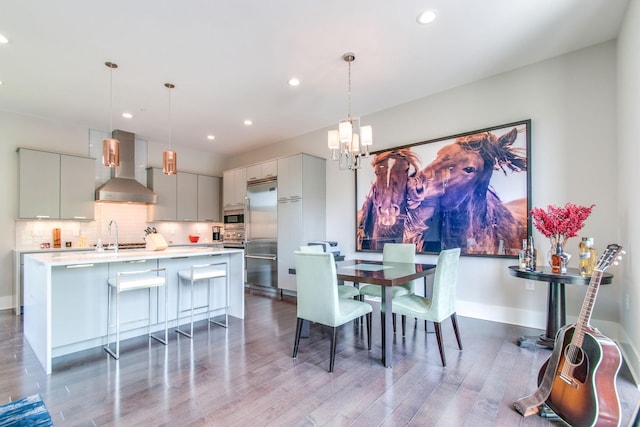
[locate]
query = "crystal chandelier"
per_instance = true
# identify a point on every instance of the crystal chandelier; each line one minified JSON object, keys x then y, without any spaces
{"x":350,"y":141}
{"x":110,"y":145}
{"x":169,"y":157}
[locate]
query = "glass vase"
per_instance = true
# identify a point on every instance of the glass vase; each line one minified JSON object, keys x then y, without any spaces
{"x":555,"y":239}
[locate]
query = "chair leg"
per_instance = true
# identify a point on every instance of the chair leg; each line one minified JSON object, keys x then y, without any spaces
{"x":368,"y":316}
{"x":438,"y":329}
{"x":383,"y":331}
{"x":332,"y":360}
{"x":454,"y":321}
{"x":297,"y":338}
{"x":394,"y":322}
{"x":404,"y":324}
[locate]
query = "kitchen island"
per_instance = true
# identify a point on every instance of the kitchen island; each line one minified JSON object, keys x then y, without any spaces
{"x":65,"y":295}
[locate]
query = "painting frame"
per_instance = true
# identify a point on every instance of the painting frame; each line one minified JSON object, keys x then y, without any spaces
{"x":470,"y":190}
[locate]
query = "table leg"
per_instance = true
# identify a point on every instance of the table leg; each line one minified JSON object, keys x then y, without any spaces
{"x":387,"y":328}
{"x":556,"y":318}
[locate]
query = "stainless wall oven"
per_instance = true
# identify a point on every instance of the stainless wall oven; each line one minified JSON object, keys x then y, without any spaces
{"x":234,"y":229}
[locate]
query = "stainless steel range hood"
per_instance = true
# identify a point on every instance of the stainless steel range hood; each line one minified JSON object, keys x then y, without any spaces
{"x":123,"y":187}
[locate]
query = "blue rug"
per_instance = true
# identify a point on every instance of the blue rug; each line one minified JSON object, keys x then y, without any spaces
{"x":29,"y":411}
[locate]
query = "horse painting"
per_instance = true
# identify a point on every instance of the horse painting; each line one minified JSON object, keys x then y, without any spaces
{"x":382,"y":216}
{"x":453,"y":193}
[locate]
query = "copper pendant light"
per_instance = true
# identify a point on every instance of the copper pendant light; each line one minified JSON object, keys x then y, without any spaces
{"x":169,"y":157}
{"x":111,"y":146}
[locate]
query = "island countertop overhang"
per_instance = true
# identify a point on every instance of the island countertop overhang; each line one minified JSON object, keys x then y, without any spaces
{"x":55,"y":259}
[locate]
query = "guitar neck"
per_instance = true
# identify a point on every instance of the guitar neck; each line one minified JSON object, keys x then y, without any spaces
{"x":587,"y":307}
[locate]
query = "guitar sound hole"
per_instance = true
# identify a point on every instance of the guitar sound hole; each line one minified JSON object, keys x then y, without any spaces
{"x":573,"y":355}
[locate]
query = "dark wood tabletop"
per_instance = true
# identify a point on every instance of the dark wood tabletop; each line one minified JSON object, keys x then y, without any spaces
{"x":382,"y":273}
{"x":544,"y":274}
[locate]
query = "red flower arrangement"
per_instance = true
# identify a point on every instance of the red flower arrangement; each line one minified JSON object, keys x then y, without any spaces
{"x":565,"y":221}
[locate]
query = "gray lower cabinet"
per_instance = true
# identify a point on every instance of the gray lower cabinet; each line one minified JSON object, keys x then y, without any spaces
{"x":55,"y":186}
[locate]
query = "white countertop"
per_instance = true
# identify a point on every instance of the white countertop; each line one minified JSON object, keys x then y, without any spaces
{"x":83,"y":257}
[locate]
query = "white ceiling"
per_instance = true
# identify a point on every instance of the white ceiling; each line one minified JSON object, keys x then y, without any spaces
{"x":231,"y":59}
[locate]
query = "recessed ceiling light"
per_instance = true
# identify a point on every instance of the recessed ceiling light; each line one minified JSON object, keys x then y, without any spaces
{"x":294,"y":82}
{"x":3,"y":39}
{"x":127,"y":115}
{"x":211,"y":137}
{"x":427,"y":16}
{"x":248,"y":122}
{"x":1,"y":82}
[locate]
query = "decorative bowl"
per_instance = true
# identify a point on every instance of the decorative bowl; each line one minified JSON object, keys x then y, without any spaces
{"x":193,"y":239}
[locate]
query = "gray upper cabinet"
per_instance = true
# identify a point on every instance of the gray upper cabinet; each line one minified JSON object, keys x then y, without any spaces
{"x":184,"y":197}
{"x":209,"y":198}
{"x":165,"y":187}
{"x":187,"y":196}
{"x":55,"y":186}
{"x":77,"y":192}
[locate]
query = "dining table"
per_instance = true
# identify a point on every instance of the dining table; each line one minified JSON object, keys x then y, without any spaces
{"x":386,"y":274}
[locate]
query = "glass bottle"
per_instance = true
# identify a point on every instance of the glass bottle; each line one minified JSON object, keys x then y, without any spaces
{"x":593,"y":257}
{"x":556,"y":260}
{"x":585,"y":256}
{"x":532,"y":255}
{"x":522,"y":256}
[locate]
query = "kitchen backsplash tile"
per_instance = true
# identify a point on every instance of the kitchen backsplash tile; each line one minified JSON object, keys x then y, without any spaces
{"x":131,"y":220}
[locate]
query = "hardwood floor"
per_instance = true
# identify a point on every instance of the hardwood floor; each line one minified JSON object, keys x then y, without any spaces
{"x":245,"y":376}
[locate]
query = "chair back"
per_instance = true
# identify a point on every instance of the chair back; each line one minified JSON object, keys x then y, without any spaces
{"x":400,"y":252}
{"x":311,"y":248}
{"x":317,"y":285}
{"x":445,"y":281}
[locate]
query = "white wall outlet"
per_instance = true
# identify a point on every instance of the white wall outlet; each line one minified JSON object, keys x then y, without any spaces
{"x":627,"y":302}
{"x":530,"y":285}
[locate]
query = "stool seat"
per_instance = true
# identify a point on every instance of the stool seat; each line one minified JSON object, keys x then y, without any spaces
{"x":135,"y":280}
{"x":202,"y":272}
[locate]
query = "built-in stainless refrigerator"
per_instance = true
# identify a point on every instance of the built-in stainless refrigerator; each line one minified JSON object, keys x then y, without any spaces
{"x":261,"y":228}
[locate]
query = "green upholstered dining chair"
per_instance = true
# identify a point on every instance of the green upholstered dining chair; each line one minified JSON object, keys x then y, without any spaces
{"x":441,"y":305}
{"x":318,"y":299}
{"x":343,"y":291}
{"x":393,"y":252}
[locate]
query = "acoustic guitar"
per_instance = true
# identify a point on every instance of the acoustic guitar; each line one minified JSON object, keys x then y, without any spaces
{"x":578,"y":381}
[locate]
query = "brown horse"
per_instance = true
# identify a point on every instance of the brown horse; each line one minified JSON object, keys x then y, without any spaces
{"x":454,"y":193}
{"x":383,"y":212}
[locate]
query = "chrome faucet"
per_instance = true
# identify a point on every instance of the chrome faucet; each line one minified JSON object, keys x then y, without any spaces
{"x":115,"y":245}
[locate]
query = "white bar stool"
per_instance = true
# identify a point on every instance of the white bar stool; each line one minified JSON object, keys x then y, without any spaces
{"x":135,"y":280}
{"x":203,"y":272}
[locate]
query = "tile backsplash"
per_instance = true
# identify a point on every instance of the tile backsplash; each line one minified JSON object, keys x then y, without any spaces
{"x":131,"y":220}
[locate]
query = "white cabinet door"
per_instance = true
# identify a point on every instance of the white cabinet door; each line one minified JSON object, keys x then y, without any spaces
{"x":254,"y":172}
{"x":39,"y":184}
{"x":187,"y":196}
{"x":269,"y":169}
{"x":263,"y":170}
{"x":234,"y":185}
{"x":85,"y":289}
{"x":208,"y":198}
{"x":240,"y":186}
{"x":77,"y":190}
{"x":290,"y":177}
{"x":165,"y":186}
